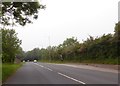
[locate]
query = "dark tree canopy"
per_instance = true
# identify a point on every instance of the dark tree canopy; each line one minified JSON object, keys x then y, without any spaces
{"x":19,"y":12}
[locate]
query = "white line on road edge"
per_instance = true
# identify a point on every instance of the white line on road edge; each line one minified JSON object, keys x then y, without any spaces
{"x":71,"y":78}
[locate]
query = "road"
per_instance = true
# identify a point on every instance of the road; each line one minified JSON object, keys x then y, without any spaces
{"x":44,"y":73}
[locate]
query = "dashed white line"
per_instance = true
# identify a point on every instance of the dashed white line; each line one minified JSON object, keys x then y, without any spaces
{"x":49,"y":69}
{"x":44,"y":67}
{"x":39,"y":65}
{"x":63,"y":75}
{"x":71,"y":78}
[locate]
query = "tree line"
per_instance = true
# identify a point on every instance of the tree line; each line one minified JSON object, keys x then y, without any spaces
{"x":104,"y":49}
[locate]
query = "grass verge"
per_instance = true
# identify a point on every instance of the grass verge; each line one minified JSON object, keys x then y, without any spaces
{"x":96,"y":61}
{"x":8,"y":69}
{"x":48,"y":61}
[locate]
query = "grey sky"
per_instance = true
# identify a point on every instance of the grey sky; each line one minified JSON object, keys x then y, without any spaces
{"x":66,"y":18}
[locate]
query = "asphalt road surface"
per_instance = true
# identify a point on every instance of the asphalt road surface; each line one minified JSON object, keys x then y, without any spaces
{"x":43,"y":73}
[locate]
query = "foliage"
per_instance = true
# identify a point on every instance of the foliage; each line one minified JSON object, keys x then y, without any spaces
{"x":32,"y":55}
{"x":19,"y":12}
{"x":20,"y":54}
{"x":10,"y":45}
{"x":104,"y":49}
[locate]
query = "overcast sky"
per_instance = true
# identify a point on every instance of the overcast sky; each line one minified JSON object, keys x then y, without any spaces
{"x":66,"y":18}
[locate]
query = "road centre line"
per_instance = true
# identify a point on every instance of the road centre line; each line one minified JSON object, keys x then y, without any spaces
{"x":62,"y":74}
{"x":48,"y":68}
{"x":44,"y":67}
{"x":39,"y":65}
{"x":71,"y":78}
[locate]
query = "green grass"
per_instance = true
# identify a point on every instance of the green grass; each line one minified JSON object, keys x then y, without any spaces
{"x":48,"y":61}
{"x":8,"y":69}
{"x":102,"y":61}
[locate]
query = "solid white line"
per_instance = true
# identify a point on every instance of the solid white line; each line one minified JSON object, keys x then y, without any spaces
{"x":71,"y":78}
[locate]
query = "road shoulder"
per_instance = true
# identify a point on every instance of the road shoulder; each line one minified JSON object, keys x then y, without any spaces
{"x":98,"y":67}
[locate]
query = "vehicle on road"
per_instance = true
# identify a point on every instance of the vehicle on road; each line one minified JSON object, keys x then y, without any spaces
{"x":35,"y":61}
{"x":23,"y":61}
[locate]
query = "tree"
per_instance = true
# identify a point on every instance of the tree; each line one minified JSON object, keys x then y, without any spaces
{"x":117,"y":31}
{"x":10,"y":45}
{"x":32,"y":55}
{"x":70,"y":47}
{"x":20,"y":54}
{"x":44,"y":54}
{"x":19,"y":12}
{"x":117,"y":38}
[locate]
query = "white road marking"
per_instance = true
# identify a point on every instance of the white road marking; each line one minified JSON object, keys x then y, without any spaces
{"x":44,"y":67}
{"x":39,"y":65}
{"x":62,"y":74}
{"x":71,"y":78}
{"x":49,"y":69}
